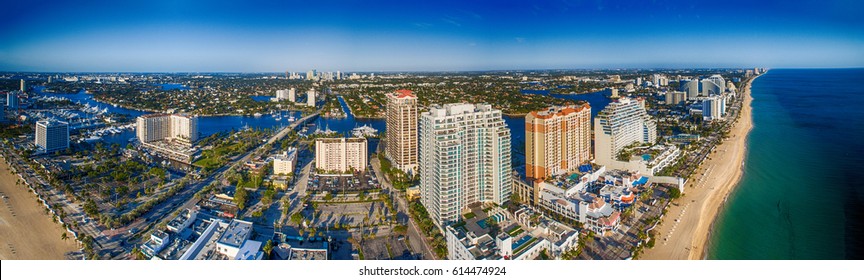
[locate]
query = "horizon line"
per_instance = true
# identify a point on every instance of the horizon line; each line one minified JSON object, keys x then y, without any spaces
{"x":428,"y":71}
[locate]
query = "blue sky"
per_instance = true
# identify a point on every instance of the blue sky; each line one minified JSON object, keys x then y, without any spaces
{"x":258,"y":36}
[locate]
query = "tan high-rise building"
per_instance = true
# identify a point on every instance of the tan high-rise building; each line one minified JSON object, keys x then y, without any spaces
{"x":557,"y":140}
{"x":402,"y":130}
{"x":340,"y":154}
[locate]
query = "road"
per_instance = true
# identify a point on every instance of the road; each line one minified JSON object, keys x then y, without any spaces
{"x":415,"y":238}
{"x":160,"y":212}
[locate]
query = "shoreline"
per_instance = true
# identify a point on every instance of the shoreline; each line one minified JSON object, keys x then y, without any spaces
{"x":27,"y":232}
{"x":686,"y":228}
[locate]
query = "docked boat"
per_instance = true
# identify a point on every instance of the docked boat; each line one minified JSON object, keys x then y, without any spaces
{"x":364,"y":131}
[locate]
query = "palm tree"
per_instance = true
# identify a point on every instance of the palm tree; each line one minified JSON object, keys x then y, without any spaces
{"x":268,"y":248}
{"x":64,"y":236}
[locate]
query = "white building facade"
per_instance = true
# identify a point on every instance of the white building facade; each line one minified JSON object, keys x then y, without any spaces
{"x":464,"y":158}
{"x":620,"y":124}
{"x":52,"y":135}
{"x":340,"y":155}
{"x":183,"y":128}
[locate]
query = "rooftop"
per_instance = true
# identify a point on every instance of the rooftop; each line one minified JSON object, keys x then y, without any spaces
{"x":296,"y":248}
{"x":289,"y":154}
{"x":178,"y":221}
{"x":51,"y":122}
{"x":339,"y":140}
{"x":251,"y":250}
{"x":402,"y":93}
{"x":455,"y":109}
{"x":237,"y":232}
{"x":560,"y":111}
{"x":204,"y":246}
{"x":481,"y":247}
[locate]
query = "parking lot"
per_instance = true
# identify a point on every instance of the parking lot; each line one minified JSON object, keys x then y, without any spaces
{"x":340,"y":183}
{"x":349,"y":214}
{"x":387,"y":248}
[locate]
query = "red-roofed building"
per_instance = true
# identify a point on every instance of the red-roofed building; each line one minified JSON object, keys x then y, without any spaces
{"x":402,"y":93}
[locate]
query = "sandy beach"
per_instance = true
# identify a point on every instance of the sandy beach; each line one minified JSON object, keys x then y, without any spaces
{"x":684,"y":231}
{"x":26,"y":232}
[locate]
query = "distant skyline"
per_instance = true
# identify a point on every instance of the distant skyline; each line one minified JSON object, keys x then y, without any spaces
{"x":273,"y":36}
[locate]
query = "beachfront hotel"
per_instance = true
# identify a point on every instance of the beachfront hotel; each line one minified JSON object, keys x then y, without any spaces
{"x":695,"y":88}
{"x":52,"y":135}
{"x":620,"y":124}
{"x":464,"y":159}
{"x":340,"y":155}
{"x":691,"y":87}
{"x":401,"y":147}
{"x":557,"y":140}
{"x":713,"y":85}
{"x":714,"y":107}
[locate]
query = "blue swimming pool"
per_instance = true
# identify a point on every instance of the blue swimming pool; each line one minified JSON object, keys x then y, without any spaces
{"x":481,"y":223}
{"x":521,"y":241}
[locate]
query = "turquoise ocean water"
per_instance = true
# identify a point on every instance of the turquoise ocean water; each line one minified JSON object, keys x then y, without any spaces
{"x":802,"y":193}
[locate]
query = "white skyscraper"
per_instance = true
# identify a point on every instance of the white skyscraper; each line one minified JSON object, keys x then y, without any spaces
{"x":52,"y":135}
{"x":464,"y":158}
{"x":167,"y":127}
{"x":12,"y":100}
{"x":310,"y":97}
{"x":281,"y":94}
{"x":620,"y":124}
{"x":656,"y":79}
{"x":691,"y":87}
{"x":714,"y":85}
{"x":23,"y":86}
{"x":289,"y":94}
{"x":714,"y":108}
